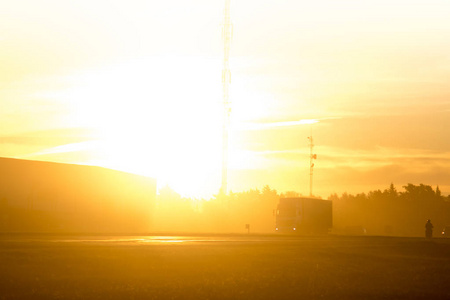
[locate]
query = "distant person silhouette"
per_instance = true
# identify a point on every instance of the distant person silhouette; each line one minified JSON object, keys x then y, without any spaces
{"x":428,"y":229}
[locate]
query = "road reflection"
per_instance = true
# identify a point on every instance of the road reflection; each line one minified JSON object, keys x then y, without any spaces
{"x":145,"y":239}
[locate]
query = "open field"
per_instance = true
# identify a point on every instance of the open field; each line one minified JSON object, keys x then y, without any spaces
{"x":223,"y":267}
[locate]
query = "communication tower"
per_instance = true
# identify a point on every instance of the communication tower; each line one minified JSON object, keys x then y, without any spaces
{"x":311,"y":163}
{"x":227,"y":32}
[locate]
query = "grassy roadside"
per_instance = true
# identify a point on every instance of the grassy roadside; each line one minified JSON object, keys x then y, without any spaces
{"x":261,"y":267}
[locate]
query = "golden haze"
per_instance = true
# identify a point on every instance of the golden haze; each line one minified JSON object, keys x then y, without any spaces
{"x":135,"y":86}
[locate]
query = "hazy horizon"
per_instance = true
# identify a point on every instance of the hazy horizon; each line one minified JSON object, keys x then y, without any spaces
{"x":136,"y":86}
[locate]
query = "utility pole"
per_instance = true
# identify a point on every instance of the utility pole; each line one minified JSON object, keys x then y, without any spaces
{"x":227,"y":32}
{"x":311,"y":163}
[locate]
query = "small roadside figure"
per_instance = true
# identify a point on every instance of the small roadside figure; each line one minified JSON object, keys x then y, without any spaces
{"x":428,"y":229}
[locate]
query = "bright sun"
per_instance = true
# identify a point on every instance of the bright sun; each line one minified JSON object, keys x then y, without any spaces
{"x":159,"y":117}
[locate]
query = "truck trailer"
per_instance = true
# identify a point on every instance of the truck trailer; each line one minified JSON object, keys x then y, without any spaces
{"x":302,"y":215}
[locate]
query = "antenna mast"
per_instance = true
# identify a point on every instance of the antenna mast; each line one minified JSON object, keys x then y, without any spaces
{"x":311,"y":163}
{"x":226,"y":81}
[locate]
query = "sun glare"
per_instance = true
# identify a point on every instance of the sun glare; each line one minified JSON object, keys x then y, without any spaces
{"x":159,"y":117}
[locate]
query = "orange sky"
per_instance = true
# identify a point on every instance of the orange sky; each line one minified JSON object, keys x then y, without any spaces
{"x":136,"y":85}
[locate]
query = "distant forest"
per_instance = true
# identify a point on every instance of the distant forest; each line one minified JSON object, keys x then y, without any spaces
{"x":50,"y":197}
{"x":222,"y":213}
{"x":388,"y":212}
{"x":392,"y":212}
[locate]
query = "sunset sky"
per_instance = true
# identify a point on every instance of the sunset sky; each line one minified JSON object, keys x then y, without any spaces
{"x":136,"y":86}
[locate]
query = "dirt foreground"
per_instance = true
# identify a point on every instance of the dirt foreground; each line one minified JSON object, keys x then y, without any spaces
{"x":223,"y":267}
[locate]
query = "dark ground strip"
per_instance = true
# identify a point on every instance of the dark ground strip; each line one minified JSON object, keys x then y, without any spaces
{"x":224,"y":267}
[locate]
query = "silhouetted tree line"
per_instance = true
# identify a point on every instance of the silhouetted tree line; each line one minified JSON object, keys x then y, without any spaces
{"x":379,"y":212}
{"x":387,"y":212}
{"x":222,"y":213}
{"x":392,"y":212}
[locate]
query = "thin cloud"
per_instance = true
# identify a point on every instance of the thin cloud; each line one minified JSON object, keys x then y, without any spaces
{"x":49,"y":138}
{"x":74,"y":147}
{"x":260,"y":126}
{"x":270,"y":125}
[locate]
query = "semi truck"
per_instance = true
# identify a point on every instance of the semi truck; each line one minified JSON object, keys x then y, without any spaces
{"x":303,"y":215}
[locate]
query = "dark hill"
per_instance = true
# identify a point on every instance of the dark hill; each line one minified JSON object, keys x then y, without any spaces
{"x":40,"y":196}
